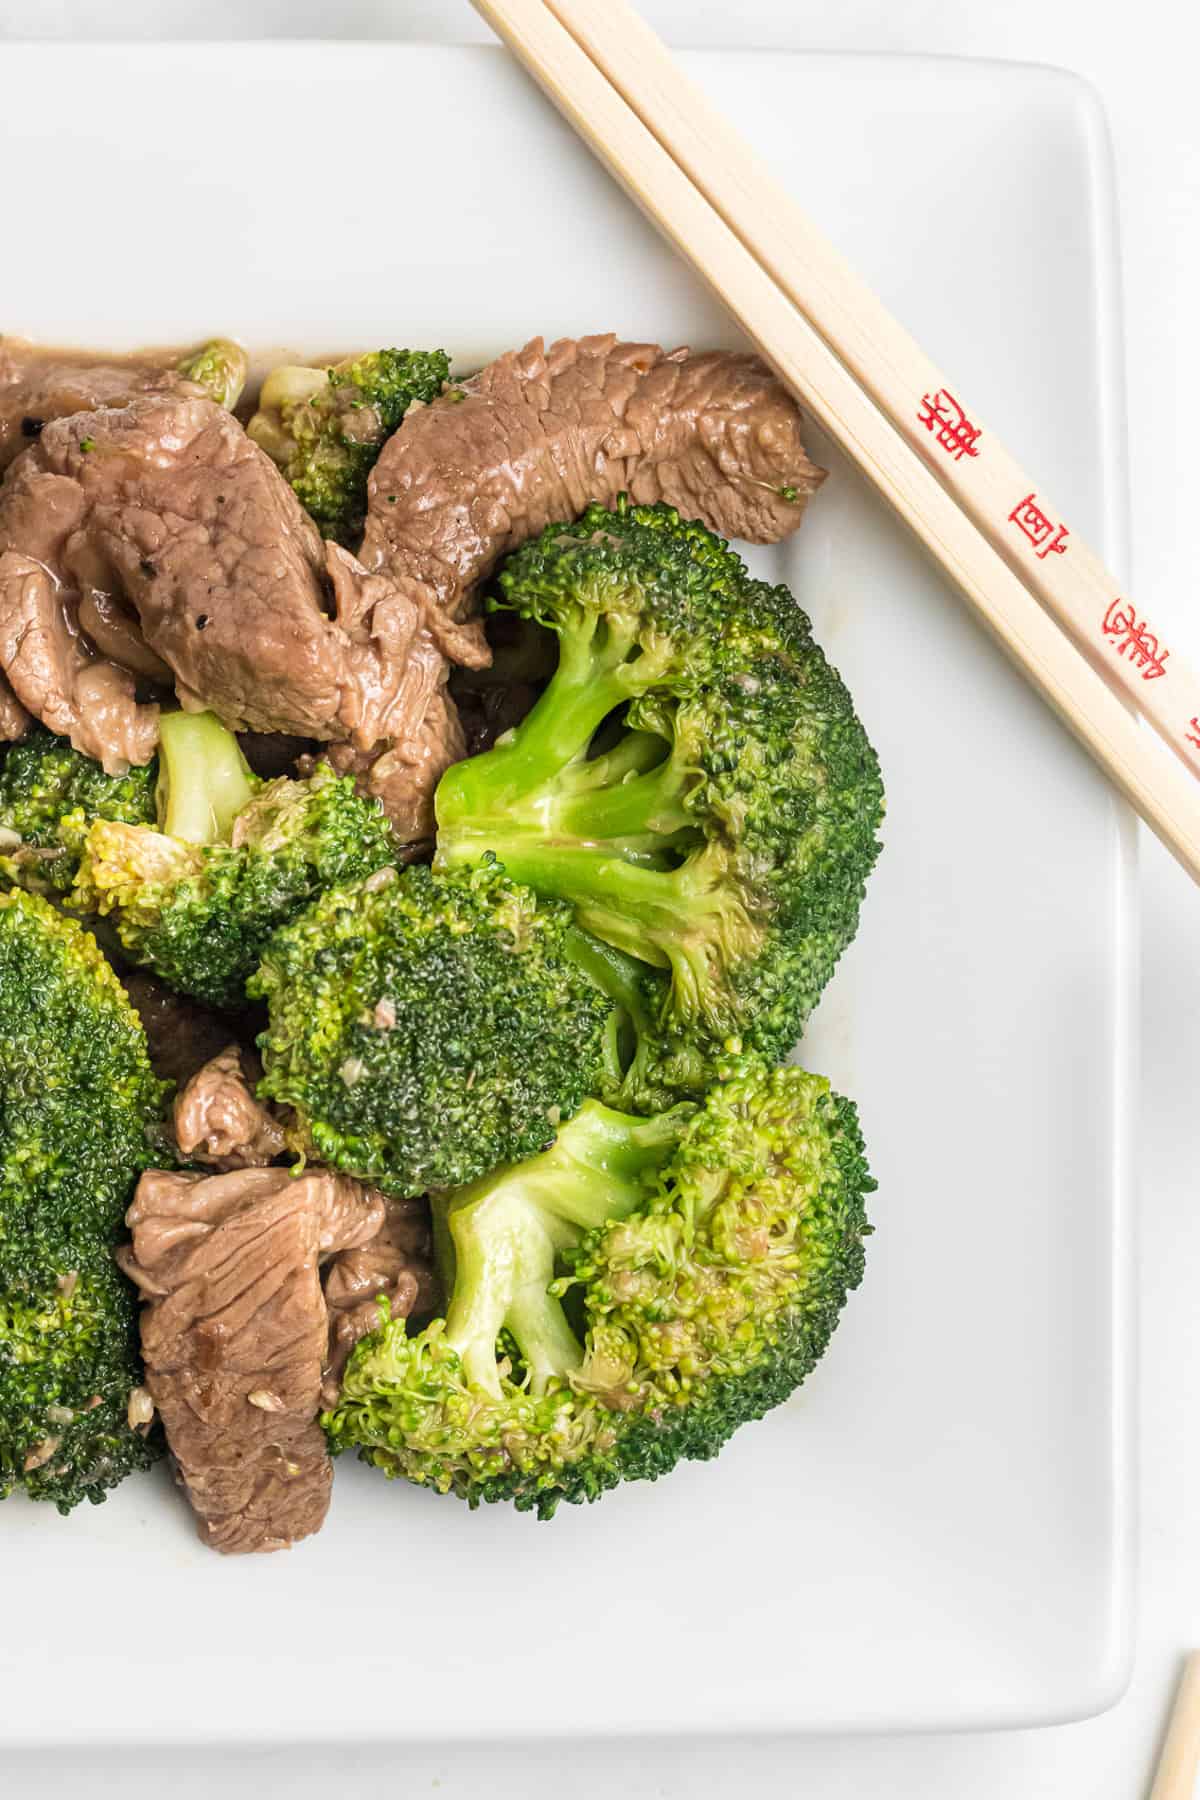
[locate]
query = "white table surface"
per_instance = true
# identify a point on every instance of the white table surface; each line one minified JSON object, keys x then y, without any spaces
{"x":1143,"y":61}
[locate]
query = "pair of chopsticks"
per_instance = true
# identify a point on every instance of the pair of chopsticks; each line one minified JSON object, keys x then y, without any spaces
{"x":1044,"y":595}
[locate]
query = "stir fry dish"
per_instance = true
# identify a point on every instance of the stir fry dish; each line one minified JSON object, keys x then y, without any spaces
{"x":423,"y":842}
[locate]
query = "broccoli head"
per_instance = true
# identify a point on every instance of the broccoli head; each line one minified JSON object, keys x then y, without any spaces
{"x":218,"y":366}
{"x":425,"y":1029}
{"x":197,"y":901}
{"x":80,"y":1113}
{"x":49,"y":795}
{"x":326,"y":427}
{"x":693,"y":779}
{"x":623,"y":1301}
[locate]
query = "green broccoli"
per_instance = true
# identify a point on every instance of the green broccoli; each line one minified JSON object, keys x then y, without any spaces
{"x":425,"y":1029}
{"x":220,"y":367}
{"x":693,"y":779}
{"x":326,"y":427}
{"x":80,"y":1115}
{"x":49,"y":795}
{"x":197,"y":901}
{"x":625,"y":1300}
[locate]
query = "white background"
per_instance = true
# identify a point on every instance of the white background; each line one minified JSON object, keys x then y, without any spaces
{"x":1143,"y":61}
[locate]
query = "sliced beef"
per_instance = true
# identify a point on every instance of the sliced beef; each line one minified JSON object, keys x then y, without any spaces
{"x":14,"y":720}
{"x":234,"y":1337}
{"x":539,"y":433}
{"x":166,"y":510}
{"x":36,"y":386}
{"x":218,"y":1119}
{"x":402,"y":775}
{"x":182,"y":1034}
{"x":54,"y":669}
{"x":396,"y":1266}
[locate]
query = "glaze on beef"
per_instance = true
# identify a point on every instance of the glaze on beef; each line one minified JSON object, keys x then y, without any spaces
{"x":396,"y":1266}
{"x":219,"y":1121}
{"x":165,"y":510}
{"x":38,"y":385}
{"x":539,"y":433}
{"x":234,"y":1338}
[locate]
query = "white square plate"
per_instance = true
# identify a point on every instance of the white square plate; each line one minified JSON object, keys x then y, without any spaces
{"x":935,"y":1531}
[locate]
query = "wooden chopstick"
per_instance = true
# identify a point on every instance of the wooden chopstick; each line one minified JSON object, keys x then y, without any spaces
{"x":1175,"y":1777}
{"x":1164,"y":795}
{"x":1004,"y":501}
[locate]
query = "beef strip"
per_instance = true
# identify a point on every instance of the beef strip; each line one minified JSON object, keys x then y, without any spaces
{"x":14,"y":720}
{"x":219,"y":1121}
{"x":396,"y":1266}
{"x":37,"y":386}
{"x":182,"y":1034}
{"x":403,"y":775}
{"x":166,"y":509}
{"x":539,"y":433}
{"x":234,"y":1337}
{"x":55,"y":671}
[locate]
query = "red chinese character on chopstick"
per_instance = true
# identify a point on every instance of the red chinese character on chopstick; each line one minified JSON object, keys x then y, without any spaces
{"x":1131,"y":637}
{"x":1195,"y":725}
{"x":1042,"y":533}
{"x":953,"y":431}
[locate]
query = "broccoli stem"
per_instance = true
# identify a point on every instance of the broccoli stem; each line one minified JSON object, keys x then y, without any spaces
{"x":220,"y":366}
{"x":508,"y":1231}
{"x":637,"y":806}
{"x":504,"y":1248}
{"x":204,"y":780}
{"x":595,"y":675}
{"x":690,"y":919}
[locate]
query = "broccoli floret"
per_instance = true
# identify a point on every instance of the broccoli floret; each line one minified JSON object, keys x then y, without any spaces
{"x":220,"y":366}
{"x":197,"y":901}
{"x":693,"y":779}
{"x":80,"y":1113}
{"x":625,"y":1300}
{"x":326,"y":427}
{"x":49,"y":795}
{"x":425,"y":1029}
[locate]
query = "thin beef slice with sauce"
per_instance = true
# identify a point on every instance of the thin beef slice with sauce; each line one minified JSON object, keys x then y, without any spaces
{"x":234,"y":1337}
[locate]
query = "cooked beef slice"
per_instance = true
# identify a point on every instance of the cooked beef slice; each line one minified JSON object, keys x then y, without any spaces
{"x":166,"y":509}
{"x":38,"y":385}
{"x":219,"y":1121}
{"x":234,"y":1338}
{"x":403,"y":774}
{"x":539,"y":433}
{"x":14,"y":720}
{"x":396,"y":1266}
{"x":54,"y":669}
{"x":182,"y":1034}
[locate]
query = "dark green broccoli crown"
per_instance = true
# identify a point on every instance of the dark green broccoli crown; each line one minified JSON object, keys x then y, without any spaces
{"x":68,"y":1366}
{"x":80,"y":1119}
{"x":427,"y":1028}
{"x":49,"y":795}
{"x":693,"y":779}
{"x":704,"y":1257}
{"x":326,"y":431}
{"x":389,"y":381}
{"x":200,"y":916}
{"x":643,"y":578}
